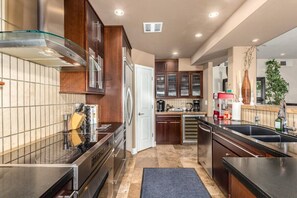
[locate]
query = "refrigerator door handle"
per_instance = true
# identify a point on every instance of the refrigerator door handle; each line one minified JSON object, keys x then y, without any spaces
{"x":130,"y":111}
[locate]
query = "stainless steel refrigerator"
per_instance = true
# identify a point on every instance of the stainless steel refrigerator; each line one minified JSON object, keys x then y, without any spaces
{"x":128,"y":97}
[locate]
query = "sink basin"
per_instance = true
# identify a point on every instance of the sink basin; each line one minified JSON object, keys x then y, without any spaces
{"x":275,"y":138}
{"x":252,"y":130}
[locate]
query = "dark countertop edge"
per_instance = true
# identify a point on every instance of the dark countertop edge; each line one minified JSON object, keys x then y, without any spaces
{"x":54,"y":189}
{"x":246,"y":139}
{"x":258,"y":192}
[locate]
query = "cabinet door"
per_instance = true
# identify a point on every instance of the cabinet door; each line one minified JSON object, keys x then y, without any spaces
{"x":220,"y":174}
{"x":95,"y":74}
{"x":174,"y":131}
{"x":160,"y":85}
{"x":171,"y":65}
{"x":196,"y":84}
{"x":184,"y":84}
{"x":172,"y":84}
{"x":161,"y":132}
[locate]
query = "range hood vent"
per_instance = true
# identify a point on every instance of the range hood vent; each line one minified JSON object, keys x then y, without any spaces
{"x":43,"y":48}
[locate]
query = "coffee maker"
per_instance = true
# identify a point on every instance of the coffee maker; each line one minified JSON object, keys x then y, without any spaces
{"x":160,"y":105}
{"x":196,"y":105}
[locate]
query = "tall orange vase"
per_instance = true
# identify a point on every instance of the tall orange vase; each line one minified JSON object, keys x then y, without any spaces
{"x":246,"y":88}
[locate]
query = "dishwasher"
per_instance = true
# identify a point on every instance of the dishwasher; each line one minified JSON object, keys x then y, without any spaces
{"x":204,"y":147}
{"x":190,"y":128}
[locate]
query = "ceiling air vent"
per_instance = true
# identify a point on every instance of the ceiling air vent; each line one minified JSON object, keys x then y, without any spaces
{"x":152,"y":27}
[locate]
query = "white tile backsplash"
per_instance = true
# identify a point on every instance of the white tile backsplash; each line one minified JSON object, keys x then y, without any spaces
{"x":13,"y":68}
{"x":6,"y":66}
{"x":20,"y":69}
{"x":13,"y":93}
{"x":31,"y":106}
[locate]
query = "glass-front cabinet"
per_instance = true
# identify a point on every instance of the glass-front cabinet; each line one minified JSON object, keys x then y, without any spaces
{"x":184,"y":84}
{"x":172,"y":84}
{"x":196,"y":88}
{"x":160,"y":85}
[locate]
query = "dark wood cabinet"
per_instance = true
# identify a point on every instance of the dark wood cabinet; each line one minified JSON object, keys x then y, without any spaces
{"x":170,"y":83}
{"x":111,"y":103}
{"x":220,"y":174}
{"x":237,"y":189}
{"x":168,"y":129}
{"x":84,"y":27}
{"x":191,"y":84}
{"x":166,"y":78}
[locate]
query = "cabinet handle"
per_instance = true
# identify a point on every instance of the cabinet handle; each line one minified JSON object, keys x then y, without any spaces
{"x":140,"y":113}
{"x":227,"y":154}
{"x":162,"y":122}
{"x":175,"y":122}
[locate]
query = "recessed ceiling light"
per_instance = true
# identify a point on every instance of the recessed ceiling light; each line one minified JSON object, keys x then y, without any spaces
{"x":198,"y":35}
{"x":119,"y":12}
{"x":174,"y":53}
{"x":255,"y":40}
{"x":282,"y":54}
{"x":213,"y":14}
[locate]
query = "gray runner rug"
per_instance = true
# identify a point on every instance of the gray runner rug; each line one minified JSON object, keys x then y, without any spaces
{"x":172,"y":183}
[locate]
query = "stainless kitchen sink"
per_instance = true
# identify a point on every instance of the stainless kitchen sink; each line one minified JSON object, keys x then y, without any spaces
{"x":252,"y":130}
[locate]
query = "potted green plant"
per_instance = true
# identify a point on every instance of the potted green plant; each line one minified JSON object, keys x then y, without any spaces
{"x":276,"y":86}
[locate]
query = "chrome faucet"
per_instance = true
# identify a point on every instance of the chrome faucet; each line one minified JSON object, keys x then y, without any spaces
{"x":283,"y":115}
{"x":257,"y":118}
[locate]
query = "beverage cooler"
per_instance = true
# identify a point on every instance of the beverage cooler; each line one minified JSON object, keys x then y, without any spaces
{"x":223,"y":105}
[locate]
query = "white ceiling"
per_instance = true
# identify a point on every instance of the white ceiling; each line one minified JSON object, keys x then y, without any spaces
{"x":285,"y":43}
{"x":181,"y":21}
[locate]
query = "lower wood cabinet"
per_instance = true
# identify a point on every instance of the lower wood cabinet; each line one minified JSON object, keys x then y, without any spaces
{"x":168,"y":129}
{"x":220,"y":174}
{"x":237,"y":189}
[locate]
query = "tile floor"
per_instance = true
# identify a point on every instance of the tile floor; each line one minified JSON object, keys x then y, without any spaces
{"x":171,"y":156}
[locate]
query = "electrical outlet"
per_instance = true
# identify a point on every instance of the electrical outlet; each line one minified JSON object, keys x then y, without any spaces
{"x":205,"y":102}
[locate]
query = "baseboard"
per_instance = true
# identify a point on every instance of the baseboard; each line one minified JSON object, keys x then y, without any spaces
{"x":134,"y":151}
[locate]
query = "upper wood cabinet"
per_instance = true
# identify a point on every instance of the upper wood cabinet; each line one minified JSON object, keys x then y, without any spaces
{"x":166,"y":78}
{"x":84,"y":27}
{"x":111,"y":103}
{"x":191,"y":84}
{"x":173,"y":84}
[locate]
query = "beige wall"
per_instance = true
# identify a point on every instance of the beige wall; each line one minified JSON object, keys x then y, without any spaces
{"x":236,"y":69}
{"x":206,"y":102}
{"x":184,"y":64}
{"x":143,"y":58}
{"x":30,"y":104}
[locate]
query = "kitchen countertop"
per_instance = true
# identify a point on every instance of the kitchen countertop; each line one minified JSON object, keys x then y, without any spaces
{"x":33,"y":181}
{"x":265,"y":177}
{"x":284,"y":149}
{"x":181,"y":113}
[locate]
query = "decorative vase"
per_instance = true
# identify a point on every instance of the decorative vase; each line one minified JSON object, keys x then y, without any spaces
{"x":246,"y":88}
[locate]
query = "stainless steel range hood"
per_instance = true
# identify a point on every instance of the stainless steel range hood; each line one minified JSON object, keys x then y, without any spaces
{"x":39,"y":46}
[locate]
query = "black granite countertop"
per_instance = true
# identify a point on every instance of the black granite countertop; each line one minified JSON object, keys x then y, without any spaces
{"x":32,"y":181}
{"x":265,"y":177}
{"x":284,"y":149}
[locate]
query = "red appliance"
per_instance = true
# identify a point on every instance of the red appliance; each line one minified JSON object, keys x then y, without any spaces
{"x":223,"y":105}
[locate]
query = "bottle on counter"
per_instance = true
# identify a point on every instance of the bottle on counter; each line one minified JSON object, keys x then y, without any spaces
{"x":278,"y":123}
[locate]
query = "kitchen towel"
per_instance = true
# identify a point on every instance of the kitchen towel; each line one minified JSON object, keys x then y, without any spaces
{"x":236,"y":111}
{"x":173,"y":183}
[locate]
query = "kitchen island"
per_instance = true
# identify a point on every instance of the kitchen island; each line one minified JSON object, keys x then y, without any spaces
{"x":262,"y":177}
{"x":231,"y":148}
